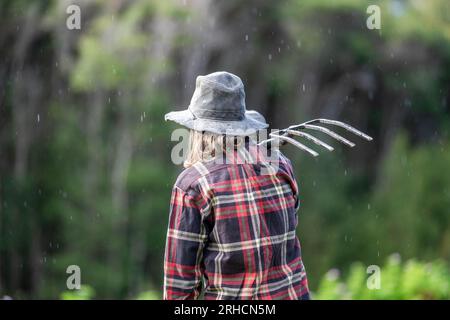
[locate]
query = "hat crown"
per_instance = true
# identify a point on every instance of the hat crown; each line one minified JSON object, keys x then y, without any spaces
{"x":219,"y":96}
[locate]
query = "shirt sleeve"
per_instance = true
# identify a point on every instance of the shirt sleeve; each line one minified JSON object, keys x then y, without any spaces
{"x":186,"y":238}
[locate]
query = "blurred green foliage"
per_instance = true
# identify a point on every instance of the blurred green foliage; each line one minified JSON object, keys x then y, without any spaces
{"x":149,"y":295}
{"x":84,"y":293}
{"x":406,"y":211}
{"x":398,"y":281}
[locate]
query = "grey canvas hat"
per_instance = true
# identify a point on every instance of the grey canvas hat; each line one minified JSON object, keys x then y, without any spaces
{"x":218,"y":106}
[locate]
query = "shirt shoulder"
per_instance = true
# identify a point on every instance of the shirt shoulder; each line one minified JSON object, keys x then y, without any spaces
{"x":284,"y":163}
{"x":189,"y":177}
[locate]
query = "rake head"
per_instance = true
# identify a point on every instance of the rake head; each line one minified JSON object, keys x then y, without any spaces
{"x":286,"y":135}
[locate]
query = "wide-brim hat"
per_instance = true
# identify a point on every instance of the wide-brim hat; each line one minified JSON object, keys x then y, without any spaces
{"x":218,"y":106}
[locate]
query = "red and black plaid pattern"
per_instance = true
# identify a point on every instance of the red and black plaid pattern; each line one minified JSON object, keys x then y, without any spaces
{"x":231,"y":233}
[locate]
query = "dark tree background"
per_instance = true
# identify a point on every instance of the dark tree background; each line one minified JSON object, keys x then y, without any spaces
{"x":85,"y":169}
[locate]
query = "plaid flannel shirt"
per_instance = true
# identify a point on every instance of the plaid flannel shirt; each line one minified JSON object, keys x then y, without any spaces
{"x":231,"y":233}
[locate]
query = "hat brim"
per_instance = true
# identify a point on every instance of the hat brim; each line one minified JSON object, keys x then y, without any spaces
{"x":252,"y":122}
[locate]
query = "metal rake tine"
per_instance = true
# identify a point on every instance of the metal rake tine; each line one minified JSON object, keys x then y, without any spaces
{"x":266,"y":141}
{"x":270,"y":139}
{"x":343,"y":125}
{"x":330,"y":133}
{"x":311,"y":138}
{"x":295,"y":143}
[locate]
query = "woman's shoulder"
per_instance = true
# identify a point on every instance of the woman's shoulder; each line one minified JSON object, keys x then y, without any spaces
{"x":190,"y":176}
{"x":187,"y":178}
{"x":285,"y":164}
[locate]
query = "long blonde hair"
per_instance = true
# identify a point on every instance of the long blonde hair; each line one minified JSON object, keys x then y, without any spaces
{"x":204,"y":146}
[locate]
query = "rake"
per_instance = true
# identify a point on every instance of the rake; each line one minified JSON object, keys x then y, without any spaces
{"x":286,"y":135}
